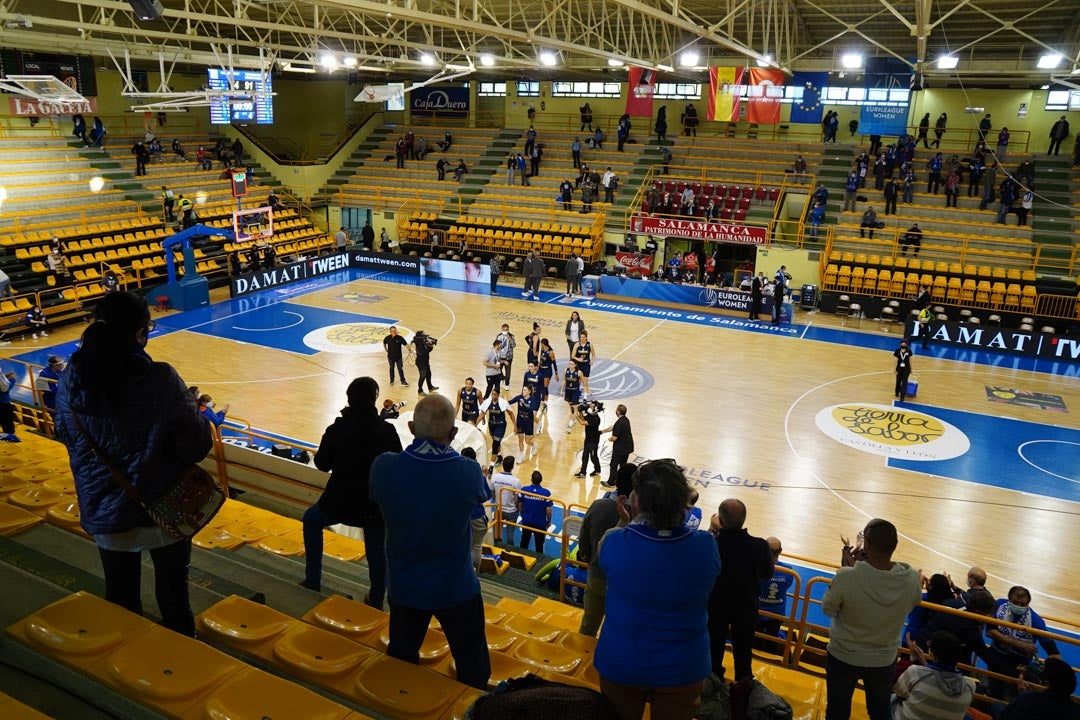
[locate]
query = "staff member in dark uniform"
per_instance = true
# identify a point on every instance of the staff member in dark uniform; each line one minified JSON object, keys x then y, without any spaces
{"x":757,"y":288}
{"x":468,"y":402}
{"x":622,"y":444}
{"x":424,"y":344}
{"x":779,"y":290}
{"x":588,"y":417}
{"x":394,"y":344}
{"x":903,"y":369}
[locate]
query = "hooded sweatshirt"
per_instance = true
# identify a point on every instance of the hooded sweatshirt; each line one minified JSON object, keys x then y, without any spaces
{"x":868,"y":607}
{"x":929,"y":692}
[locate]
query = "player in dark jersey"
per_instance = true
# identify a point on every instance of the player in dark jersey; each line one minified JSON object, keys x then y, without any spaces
{"x":535,"y":383}
{"x":549,"y":369}
{"x":533,"y":342}
{"x":527,"y":403}
{"x":572,"y":393}
{"x":468,"y":402}
{"x":584,"y":352}
{"x":494,"y":410}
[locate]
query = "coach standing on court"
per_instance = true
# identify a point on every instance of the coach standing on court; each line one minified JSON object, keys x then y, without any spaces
{"x":394,"y":344}
{"x":622,"y":444}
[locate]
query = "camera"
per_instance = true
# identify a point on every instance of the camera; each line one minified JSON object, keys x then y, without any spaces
{"x":591,"y":407}
{"x":390,"y":409}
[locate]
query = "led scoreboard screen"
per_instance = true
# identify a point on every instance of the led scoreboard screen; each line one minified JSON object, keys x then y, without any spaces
{"x":243,"y":110}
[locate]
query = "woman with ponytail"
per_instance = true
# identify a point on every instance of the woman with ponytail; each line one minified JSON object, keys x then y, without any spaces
{"x":140,"y":416}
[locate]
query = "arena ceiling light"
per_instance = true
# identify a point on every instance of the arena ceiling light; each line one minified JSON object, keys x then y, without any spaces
{"x":689,"y":58}
{"x":328,"y":61}
{"x":427,"y":59}
{"x":547,"y":58}
{"x":947,"y":62}
{"x":851,"y":61}
{"x":767,"y":62}
{"x":1049,"y":61}
{"x":615,"y":62}
{"x":349,"y":62}
{"x":487,"y":59}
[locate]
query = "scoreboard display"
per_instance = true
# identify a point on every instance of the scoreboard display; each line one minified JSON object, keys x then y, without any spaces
{"x":224,"y":111}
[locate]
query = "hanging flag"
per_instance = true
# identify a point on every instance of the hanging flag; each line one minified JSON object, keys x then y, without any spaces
{"x":639,"y":98}
{"x":724,"y":93}
{"x":809,"y":109}
{"x":880,"y":114}
{"x":766,"y":88}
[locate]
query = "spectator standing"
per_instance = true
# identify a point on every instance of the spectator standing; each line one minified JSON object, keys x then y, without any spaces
{"x":48,"y":380}
{"x":385,"y":244}
{"x":689,"y":120}
{"x":934,"y":166}
{"x":940,"y":124}
{"x":780,"y":282}
{"x":1027,"y":200}
{"x":924,"y":130}
{"x":535,"y":513}
{"x":141,"y":157}
{"x":989,"y":184}
{"x":622,"y":131}
{"x":622,"y":444}
{"x":602,"y":515}
{"x":817,"y":216}
{"x":891,"y":192}
{"x":661,"y":124}
{"x":1076,"y":151}
{"x":1002,"y":144}
{"x":347,"y":450}
{"x":511,"y":165}
{"x":440,"y":168}
{"x":745,"y":561}
{"x":609,"y":182}
{"x":665,"y":159}
{"x":984,"y":127}
{"x":504,"y":487}
{"x":495,"y":271}
{"x":523,"y":170}
{"x":851,"y":186}
{"x":773,"y":593}
{"x":7,"y":412}
{"x":1058,"y":132}
{"x":395,"y":346}
{"x":428,"y":545}
{"x":167,"y":203}
{"x":932,"y":688}
{"x":909,"y":185}
{"x":868,"y":222}
{"x":868,"y":601}
{"x":140,"y":415}
{"x":1053,"y":703}
{"x":952,"y":188}
{"x":575,"y":152}
{"x":586,"y":117}
{"x":238,"y":152}
{"x":1008,"y":197}
{"x":660,"y":650}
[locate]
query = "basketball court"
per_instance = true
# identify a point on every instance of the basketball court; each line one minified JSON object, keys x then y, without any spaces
{"x":981,"y":467}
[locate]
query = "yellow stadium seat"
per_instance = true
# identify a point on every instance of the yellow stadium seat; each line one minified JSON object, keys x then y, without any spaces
{"x":350,"y":618}
{"x":432,"y":650}
{"x":14,"y":520}
{"x":516,"y":607}
{"x":319,"y":656}
{"x":242,"y":622}
{"x":530,"y":628}
{"x":35,"y":499}
{"x":546,"y":656}
{"x":252,"y":693}
{"x":403,"y":690}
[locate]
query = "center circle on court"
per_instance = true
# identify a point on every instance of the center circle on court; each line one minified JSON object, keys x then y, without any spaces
{"x":615,"y":380}
{"x":362,"y":338}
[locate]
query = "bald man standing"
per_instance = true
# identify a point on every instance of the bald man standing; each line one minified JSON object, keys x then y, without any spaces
{"x":427,"y":494}
{"x":745,"y":561}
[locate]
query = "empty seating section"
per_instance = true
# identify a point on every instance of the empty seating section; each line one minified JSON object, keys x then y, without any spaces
{"x":551,"y":240}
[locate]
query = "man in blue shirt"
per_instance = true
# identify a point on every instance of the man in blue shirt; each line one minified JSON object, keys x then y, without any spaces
{"x":428,"y":543}
{"x":535,"y":513}
{"x":774,"y":594}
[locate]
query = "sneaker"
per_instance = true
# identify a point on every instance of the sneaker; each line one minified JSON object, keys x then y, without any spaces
{"x":403,"y":384}
{"x":44,"y":334}
{"x":433,"y":388}
{"x":596,"y":473}
{"x":607,"y":484}
{"x":13,"y":438}
{"x":421,"y":393}
{"x":579,"y":475}
{"x":525,"y":294}
{"x":391,"y":383}
{"x":35,"y":336}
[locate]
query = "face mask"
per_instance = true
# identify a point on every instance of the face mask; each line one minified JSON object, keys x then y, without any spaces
{"x":1017,"y":610}
{"x":210,"y":405}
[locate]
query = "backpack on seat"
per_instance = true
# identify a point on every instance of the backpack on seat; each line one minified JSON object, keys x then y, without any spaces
{"x":533,"y":698}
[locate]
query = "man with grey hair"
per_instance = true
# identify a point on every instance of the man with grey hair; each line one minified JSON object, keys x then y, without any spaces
{"x":745,"y":561}
{"x":429,"y":543}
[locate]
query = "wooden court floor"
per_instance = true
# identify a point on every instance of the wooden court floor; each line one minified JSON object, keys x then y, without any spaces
{"x":744,"y":411}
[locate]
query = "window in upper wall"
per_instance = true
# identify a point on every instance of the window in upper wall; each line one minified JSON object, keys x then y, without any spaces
{"x":677,"y":91}
{"x":491,"y":89}
{"x":1063,"y":100}
{"x":586,"y":89}
{"x":528,"y":88}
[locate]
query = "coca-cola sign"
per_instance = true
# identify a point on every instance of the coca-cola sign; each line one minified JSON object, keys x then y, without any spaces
{"x":700,"y":230}
{"x":634,"y":261}
{"x":25,"y":107}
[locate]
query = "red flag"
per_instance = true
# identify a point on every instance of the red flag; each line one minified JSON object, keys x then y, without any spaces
{"x":723,"y":101}
{"x":639,"y":95}
{"x":766,"y":90}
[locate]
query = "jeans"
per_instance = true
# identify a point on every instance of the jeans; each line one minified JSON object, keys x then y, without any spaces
{"x":479,"y":530}
{"x":464,"y":628}
{"x":840,"y":680}
{"x":123,"y":583}
{"x":508,"y":530}
{"x":909,"y":194}
{"x":315,"y":519}
{"x":494,"y":283}
{"x":396,"y":363}
{"x":741,"y":620}
{"x":666,"y":703}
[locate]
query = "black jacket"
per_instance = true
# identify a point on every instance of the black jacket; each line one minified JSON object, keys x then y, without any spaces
{"x":745,"y":560}
{"x":624,"y":437}
{"x":346,"y":451}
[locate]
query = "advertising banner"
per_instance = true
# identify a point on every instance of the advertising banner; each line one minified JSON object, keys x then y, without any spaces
{"x":448,"y":100}
{"x":387,"y":262}
{"x":25,"y":107}
{"x":639,"y":96}
{"x":999,"y":339}
{"x":699,"y":230}
{"x":287,"y":274}
{"x":634,"y":261}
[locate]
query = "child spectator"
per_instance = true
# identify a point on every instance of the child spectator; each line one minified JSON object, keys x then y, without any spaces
{"x":693,"y":513}
{"x":206,"y":409}
{"x":535,"y":513}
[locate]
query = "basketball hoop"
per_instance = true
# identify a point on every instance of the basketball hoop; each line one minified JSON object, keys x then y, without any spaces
{"x":253,"y":225}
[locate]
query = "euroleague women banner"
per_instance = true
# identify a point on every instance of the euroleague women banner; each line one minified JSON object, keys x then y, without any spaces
{"x":724,"y":89}
{"x":639,"y":95}
{"x":764,"y":92}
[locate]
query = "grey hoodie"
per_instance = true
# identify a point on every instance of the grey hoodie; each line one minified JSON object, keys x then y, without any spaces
{"x":927,"y":693}
{"x":868,"y":607}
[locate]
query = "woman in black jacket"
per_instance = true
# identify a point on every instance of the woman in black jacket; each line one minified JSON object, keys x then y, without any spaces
{"x":142,"y":417}
{"x":346,"y":451}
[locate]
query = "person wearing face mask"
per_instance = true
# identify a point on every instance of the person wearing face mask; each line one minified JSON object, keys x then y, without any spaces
{"x":1013,"y":648}
{"x":206,"y":409}
{"x":903,"y":369}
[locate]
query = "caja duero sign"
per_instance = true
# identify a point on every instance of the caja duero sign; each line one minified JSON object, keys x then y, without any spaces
{"x":450,"y":100}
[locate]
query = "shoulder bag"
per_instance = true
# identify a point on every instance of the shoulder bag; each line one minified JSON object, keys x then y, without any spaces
{"x":184,"y":509}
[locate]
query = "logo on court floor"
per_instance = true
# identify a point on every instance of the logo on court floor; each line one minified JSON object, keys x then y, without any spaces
{"x":614,"y":380}
{"x":892,"y":432}
{"x":364,"y":338}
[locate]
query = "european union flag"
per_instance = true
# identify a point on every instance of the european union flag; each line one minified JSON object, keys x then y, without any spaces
{"x":809,"y":109}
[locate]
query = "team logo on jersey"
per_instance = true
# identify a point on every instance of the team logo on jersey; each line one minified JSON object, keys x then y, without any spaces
{"x":364,"y":338}
{"x":614,"y":380}
{"x":892,"y":431}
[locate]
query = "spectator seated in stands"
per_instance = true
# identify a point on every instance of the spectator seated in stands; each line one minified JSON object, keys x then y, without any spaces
{"x":58,"y":266}
{"x":155,"y":150}
{"x":938,"y":591}
{"x":460,"y":170}
{"x":912,"y":238}
{"x":968,"y":630}
{"x":932,"y":687}
{"x":976,"y":580}
{"x":869,"y":222}
{"x":204,"y":159}
{"x":1053,"y":703}
{"x":178,"y":149}
{"x":35,"y":319}
{"x":110,"y":283}
{"x":773,"y":595}
{"x":206,"y":409}
{"x":274,"y":202}
{"x":446,"y":142}
{"x":1010,"y":647}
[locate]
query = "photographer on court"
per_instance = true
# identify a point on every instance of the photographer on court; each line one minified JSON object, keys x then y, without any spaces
{"x":423,"y":344}
{"x":588,"y":414}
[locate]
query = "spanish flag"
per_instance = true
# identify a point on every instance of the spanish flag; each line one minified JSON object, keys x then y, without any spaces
{"x":724,"y":93}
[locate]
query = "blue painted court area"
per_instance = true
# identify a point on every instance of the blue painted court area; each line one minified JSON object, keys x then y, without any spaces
{"x":1006,"y":453}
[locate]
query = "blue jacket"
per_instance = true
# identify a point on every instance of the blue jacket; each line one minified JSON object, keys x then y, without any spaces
{"x":153,"y":432}
{"x":656,"y":632}
{"x":817,"y":215}
{"x":852,"y":183}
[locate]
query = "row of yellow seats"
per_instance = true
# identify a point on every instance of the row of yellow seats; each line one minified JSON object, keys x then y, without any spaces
{"x":176,"y":676}
{"x":415,"y":232}
{"x":523,"y":225}
{"x":968,"y":291}
{"x":940,"y":266}
{"x":44,"y":236}
{"x":17,"y":306}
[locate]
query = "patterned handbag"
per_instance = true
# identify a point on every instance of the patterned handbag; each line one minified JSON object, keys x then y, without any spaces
{"x":185,"y":508}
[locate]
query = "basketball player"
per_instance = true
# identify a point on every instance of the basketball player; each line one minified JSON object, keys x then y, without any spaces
{"x":527,"y":404}
{"x":494,"y":410}
{"x":533,"y":342}
{"x":572,"y":393}
{"x":535,"y":383}
{"x":468,"y":402}
{"x":583,"y":356}
{"x":549,"y":369}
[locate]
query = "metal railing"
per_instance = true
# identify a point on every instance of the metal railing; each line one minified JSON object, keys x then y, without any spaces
{"x":286,"y":151}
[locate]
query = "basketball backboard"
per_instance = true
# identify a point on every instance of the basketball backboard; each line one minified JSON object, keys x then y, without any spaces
{"x":43,"y":88}
{"x":254,"y":224}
